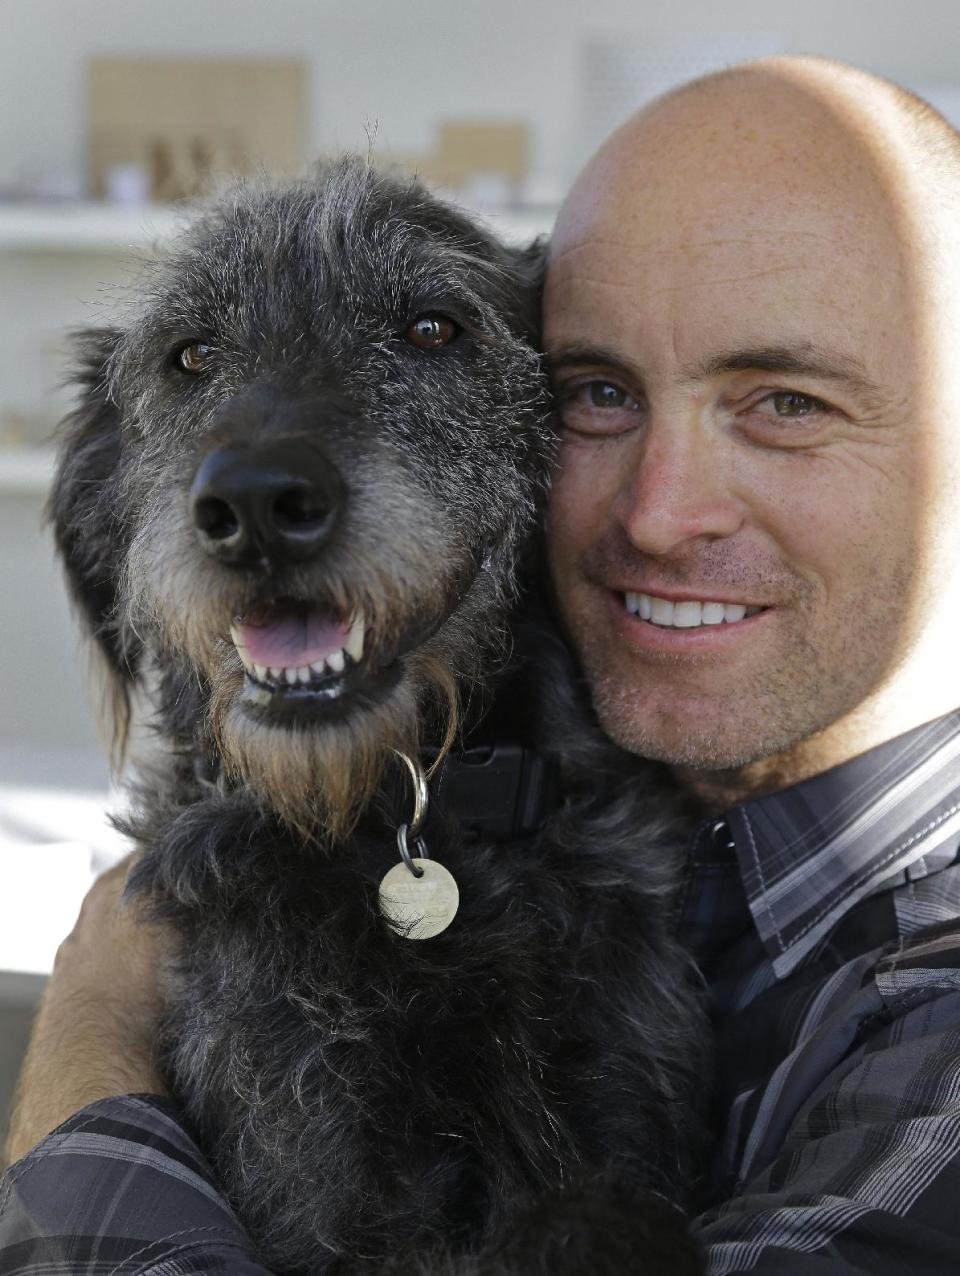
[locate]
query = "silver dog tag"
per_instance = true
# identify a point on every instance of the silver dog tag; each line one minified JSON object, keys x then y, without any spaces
{"x":419,"y":907}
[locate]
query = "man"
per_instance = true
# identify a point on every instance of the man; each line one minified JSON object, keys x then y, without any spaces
{"x":753,"y":321}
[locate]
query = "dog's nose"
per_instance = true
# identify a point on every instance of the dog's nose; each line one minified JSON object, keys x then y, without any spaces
{"x":278,"y":501}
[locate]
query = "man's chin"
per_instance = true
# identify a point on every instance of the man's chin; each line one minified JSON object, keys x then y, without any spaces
{"x":698,"y":737}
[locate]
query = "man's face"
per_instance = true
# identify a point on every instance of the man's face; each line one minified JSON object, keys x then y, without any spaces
{"x":743,"y":530}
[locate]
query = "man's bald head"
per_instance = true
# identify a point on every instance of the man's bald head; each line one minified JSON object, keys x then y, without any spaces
{"x":800,"y":122}
{"x":753,"y":311}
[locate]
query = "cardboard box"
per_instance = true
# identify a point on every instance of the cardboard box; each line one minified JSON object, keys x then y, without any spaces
{"x":484,"y":161}
{"x":187,"y":123}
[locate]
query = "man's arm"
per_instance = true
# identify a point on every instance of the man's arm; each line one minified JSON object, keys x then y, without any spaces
{"x":94,"y":1029}
{"x":859,"y":1171}
{"x":120,"y":1186}
{"x":103,"y":1171}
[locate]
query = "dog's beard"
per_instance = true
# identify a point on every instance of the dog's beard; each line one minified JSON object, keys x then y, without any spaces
{"x":324,"y":775}
{"x":316,"y":770}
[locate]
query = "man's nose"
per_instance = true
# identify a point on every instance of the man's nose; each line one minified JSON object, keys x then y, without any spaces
{"x":677,"y":489}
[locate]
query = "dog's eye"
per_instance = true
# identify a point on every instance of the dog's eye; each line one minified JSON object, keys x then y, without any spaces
{"x":428,"y":332}
{"x":194,"y":357}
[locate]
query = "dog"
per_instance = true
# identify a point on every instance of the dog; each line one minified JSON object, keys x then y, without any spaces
{"x":295,"y":505}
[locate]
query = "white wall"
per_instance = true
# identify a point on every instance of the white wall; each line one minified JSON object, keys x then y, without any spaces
{"x":406,"y":62}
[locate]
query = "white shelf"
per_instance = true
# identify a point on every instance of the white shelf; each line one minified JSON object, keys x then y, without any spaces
{"x":90,"y":228}
{"x":25,"y":470}
{"x":519,"y":225}
{"x":43,"y":886}
{"x":103,"y":228}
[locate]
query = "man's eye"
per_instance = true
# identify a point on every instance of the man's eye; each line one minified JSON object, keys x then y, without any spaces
{"x":604,"y":394}
{"x":597,"y":407}
{"x":790,"y":403}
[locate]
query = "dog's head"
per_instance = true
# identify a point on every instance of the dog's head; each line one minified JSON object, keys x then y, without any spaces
{"x":299,"y":477}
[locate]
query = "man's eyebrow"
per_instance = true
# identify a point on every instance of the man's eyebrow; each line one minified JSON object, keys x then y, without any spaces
{"x":804,"y":360}
{"x":567,"y":356}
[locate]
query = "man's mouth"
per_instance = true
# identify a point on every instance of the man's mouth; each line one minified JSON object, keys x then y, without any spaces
{"x":688,"y":613}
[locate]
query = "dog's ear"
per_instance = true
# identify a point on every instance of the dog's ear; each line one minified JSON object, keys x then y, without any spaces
{"x":82,"y":510}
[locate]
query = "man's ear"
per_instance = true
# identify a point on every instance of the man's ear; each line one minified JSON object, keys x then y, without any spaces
{"x":82,"y":510}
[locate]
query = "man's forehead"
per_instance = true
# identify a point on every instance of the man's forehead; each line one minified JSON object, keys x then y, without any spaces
{"x":754,"y":214}
{"x":803,"y":282}
{"x":624,"y":252}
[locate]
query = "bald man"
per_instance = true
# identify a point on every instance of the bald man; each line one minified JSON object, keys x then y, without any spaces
{"x":753,"y":325}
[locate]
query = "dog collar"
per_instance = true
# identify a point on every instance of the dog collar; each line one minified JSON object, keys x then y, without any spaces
{"x":501,"y":791}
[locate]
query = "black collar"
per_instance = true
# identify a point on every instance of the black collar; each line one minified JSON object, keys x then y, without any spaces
{"x":498,"y":791}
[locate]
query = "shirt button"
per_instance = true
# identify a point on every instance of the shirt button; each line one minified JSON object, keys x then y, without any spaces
{"x":722,"y":837}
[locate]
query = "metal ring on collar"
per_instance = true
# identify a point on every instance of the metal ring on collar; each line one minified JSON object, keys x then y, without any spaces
{"x":419,"y":847}
{"x":421,"y":795}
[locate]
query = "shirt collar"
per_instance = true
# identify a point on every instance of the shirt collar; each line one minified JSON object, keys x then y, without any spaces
{"x":810,"y":852}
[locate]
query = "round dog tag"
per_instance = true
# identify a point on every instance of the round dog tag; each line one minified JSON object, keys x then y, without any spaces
{"x":419,"y":907}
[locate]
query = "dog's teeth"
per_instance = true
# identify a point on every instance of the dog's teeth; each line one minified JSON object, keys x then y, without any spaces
{"x":336,"y":661}
{"x":291,"y":676}
{"x":304,"y":674}
{"x":354,"y":643}
{"x":319,"y":667}
{"x":260,"y":672}
{"x":241,"y":649}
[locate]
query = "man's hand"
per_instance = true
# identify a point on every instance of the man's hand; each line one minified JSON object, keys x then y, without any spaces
{"x":94,"y":1032}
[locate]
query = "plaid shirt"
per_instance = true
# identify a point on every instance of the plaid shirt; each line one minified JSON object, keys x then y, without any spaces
{"x":826,"y":920}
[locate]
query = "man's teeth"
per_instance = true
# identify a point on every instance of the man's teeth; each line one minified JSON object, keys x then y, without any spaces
{"x":304,"y":675}
{"x":687,"y":614}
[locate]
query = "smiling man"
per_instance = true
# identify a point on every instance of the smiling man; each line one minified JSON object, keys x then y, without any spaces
{"x":753,"y":322}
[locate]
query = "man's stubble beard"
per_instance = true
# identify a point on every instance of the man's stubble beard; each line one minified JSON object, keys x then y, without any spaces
{"x":747,"y":722}
{"x":775,"y":715}
{"x":793,"y":716}
{"x":813,"y":694}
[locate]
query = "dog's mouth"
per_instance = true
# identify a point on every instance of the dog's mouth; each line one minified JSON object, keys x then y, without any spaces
{"x":302,"y":660}
{"x":297,"y":654}
{"x":291,"y":643}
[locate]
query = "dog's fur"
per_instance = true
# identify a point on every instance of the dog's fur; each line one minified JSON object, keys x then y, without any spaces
{"x":519,"y":1093}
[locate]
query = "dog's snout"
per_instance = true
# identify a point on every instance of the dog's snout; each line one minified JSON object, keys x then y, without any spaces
{"x":279,"y":501}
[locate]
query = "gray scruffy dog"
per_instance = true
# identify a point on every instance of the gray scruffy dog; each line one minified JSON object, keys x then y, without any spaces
{"x":292,"y":505}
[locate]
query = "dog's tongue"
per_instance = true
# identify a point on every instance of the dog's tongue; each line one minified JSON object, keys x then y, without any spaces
{"x":288,"y":635}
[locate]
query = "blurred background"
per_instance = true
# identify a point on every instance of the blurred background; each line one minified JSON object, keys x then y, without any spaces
{"x":114,"y":113}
